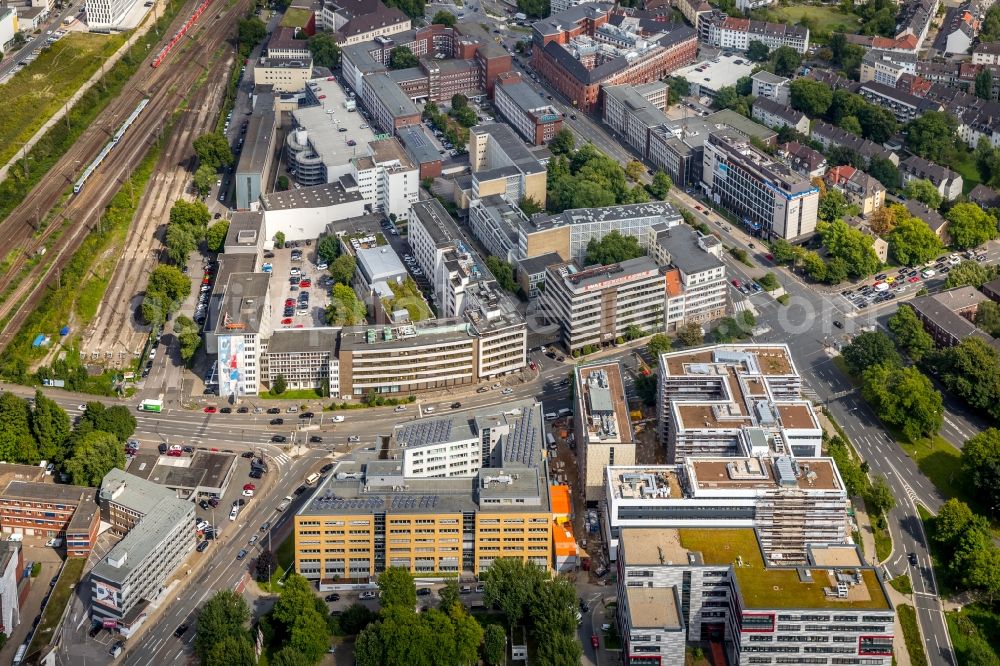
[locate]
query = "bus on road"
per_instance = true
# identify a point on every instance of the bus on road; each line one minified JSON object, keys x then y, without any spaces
{"x":151,"y":406}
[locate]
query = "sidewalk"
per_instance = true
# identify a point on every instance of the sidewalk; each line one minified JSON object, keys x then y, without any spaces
{"x":87,"y":85}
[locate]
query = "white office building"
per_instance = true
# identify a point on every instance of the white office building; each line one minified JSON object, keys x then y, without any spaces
{"x":107,"y":14}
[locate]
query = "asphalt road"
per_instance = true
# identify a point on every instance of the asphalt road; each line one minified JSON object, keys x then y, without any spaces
{"x":37,"y":42}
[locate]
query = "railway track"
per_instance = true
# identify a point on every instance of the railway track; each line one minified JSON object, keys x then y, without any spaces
{"x":165,"y":87}
{"x":114,"y":335}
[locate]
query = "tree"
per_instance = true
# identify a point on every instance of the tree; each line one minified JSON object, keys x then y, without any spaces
{"x":203,"y":179}
{"x":783,"y":251}
{"x":343,"y":268}
{"x":988,"y":318}
{"x":971,"y":273}
{"x":213,"y":150}
{"x":324,"y":50}
{"x":289,"y":656}
{"x":813,"y":265}
{"x":560,"y":650}
{"x":170,"y":282}
{"x":345,"y":309}
{"x":971,"y":370}
{"x":635,"y":169}
{"x":459,"y":102}
{"x":678,"y":87}
{"x":923,"y":191}
{"x":188,"y":336}
{"x":838,"y":155}
{"x":215,"y":237}
{"x":279,"y":239}
{"x":851,"y":124}
{"x":50,"y":427}
{"x":659,"y":344}
{"x":96,"y":454}
{"x":355,"y":618}
{"x":328,"y":248}
{"x":231,"y":651}
{"x":869,"y":349}
{"x":912,"y":242}
{"x":192,"y":214}
{"x":633,"y":332}
{"x":728,"y":98}
{"x":885,"y":172}
{"x":563,"y":142}
{"x":879,"y":496}
{"x":661,"y":184}
{"x":989,"y":30}
{"x":266,"y":564}
{"x":534,"y":8}
{"x":953,"y":519}
{"x":510,"y":583}
{"x":279,"y":385}
{"x":832,"y":206}
{"x":116,"y":420}
{"x":909,"y":333}
{"x":645,"y":388}
{"x":16,"y":442}
{"x":932,"y":136}
{"x":251,"y":32}
{"x":397,"y":588}
{"x":503,"y":272}
{"x":401,"y":57}
{"x":903,"y":398}
{"x":310,"y":635}
{"x":981,"y":465}
{"x":758,"y":51}
{"x":612,"y":249}
{"x":970,"y":226}
{"x":883,"y":220}
{"x":847,"y":243}
{"x":690,"y":335}
{"x":877,"y":124}
{"x":282,"y":183}
{"x":529,"y":206}
{"x":443,"y":17}
{"x":495,"y":645}
{"x":810,"y":97}
{"x":984,"y":84}
{"x":786,"y":60}
{"x":180,"y":242}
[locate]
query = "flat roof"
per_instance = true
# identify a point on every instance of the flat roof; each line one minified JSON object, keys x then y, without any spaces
{"x":47,"y":492}
{"x":572,"y":216}
{"x":390,"y":150}
{"x":845,"y":555}
{"x":426,"y":333}
{"x":245,"y":229}
{"x":681,"y":243}
{"x":436,"y":220}
{"x":603,"y":393}
{"x":316,"y":196}
{"x":762,"y":474}
{"x":512,"y":146}
{"x":14,"y":472}
{"x":653,"y":607}
{"x":259,"y":136}
{"x":526,"y":99}
{"x":636,"y":104}
{"x":138,"y":494}
{"x":581,"y":280}
{"x":303,"y":340}
{"x":717,"y":73}
{"x":380,"y":263}
{"x":645,"y":483}
{"x":535,"y":265}
{"x":693,"y":131}
{"x":418,"y":145}
{"x":773,"y":360}
{"x":242,"y":307}
{"x":322,"y":118}
{"x":145,"y":539}
{"x":396,"y":102}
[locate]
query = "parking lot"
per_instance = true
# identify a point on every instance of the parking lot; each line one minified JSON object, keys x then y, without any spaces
{"x":890,"y":285}
{"x":297,"y":279}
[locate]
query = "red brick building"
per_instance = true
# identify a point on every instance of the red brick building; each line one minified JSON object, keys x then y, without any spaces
{"x":51,"y":510}
{"x":587,"y":46}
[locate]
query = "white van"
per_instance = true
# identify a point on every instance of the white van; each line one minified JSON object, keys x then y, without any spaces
{"x":550,"y":441}
{"x":929,"y":273}
{"x":565,"y":411}
{"x":235,"y":512}
{"x":312,"y":478}
{"x":551,"y":416}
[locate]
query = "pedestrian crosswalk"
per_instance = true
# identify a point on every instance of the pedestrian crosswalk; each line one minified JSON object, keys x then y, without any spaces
{"x":279,"y":458}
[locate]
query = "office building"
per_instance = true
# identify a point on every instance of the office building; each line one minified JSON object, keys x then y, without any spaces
{"x":387,"y":179}
{"x":791,"y":502}
{"x":695,"y":275}
{"x":305,"y":358}
{"x":501,"y":164}
{"x":597,"y":305}
{"x":678,"y":147}
{"x":33,"y":508}
{"x":678,"y":585}
{"x":390,"y":107}
{"x":421,"y":149}
{"x":602,"y":426}
{"x":727,"y":400}
{"x":771,"y":86}
{"x":158,"y":535}
{"x":450,"y":517}
{"x":254,"y":164}
{"x":244,"y":322}
{"x":581,"y":49}
{"x":304,"y":213}
{"x":735,"y":32}
{"x":776,"y":115}
{"x":105,"y":15}
{"x":568,"y":233}
{"x":770,"y":199}
{"x":708,"y":77}
{"x":494,"y":221}
{"x":356,"y":21}
{"x":285,"y":75}
{"x":535,"y":119}
{"x":288,"y":43}
{"x":630,"y":113}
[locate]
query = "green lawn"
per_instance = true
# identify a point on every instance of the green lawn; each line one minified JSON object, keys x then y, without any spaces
{"x":297,"y":394}
{"x":969,"y":171}
{"x":940,"y":462}
{"x":286,"y":561}
{"x":902,"y":584}
{"x":35,"y":93}
{"x":296,"y":18}
{"x":826,"y":18}
{"x":70,"y":576}
{"x":973,"y":620}
{"x":911,"y":634}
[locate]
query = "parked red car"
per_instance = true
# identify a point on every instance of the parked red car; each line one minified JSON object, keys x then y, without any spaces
{"x":209,"y":410}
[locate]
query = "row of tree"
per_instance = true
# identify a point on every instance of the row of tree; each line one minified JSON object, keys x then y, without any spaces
{"x":454,"y":132}
{"x":41,"y":430}
{"x":587,"y":178}
{"x":843,"y":108}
